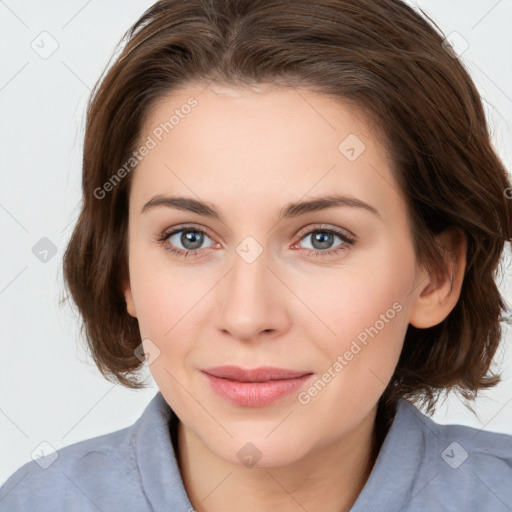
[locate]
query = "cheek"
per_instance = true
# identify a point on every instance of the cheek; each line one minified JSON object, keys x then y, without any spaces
{"x":162,"y":296}
{"x":365,"y":309}
{"x":357,"y":301}
{"x":164,"y":302}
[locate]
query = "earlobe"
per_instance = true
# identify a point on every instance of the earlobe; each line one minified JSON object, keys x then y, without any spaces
{"x":128,"y":297}
{"x":437,"y":294}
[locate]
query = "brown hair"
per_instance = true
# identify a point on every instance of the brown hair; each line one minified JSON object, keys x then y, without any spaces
{"x":382,"y":56}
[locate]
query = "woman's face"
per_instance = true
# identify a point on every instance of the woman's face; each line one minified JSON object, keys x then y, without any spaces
{"x":322,"y":291}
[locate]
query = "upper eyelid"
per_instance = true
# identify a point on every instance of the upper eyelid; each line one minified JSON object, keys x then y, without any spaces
{"x":326,"y":227}
{"x":174,"y":230}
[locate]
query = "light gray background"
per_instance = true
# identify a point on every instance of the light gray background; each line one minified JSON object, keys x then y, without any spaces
{"x":49,"y":391}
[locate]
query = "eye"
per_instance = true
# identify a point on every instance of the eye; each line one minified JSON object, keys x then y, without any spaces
{"x":190,"y":238}
{"x":322,"y":241}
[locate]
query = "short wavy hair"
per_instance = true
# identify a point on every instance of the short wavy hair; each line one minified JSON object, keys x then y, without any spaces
{"x":395,"y":66}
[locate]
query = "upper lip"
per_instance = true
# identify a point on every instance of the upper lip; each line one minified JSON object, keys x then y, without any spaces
{"x":261,"y":374}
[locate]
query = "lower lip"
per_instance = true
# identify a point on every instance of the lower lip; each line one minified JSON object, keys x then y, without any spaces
{"x":255,"y":394}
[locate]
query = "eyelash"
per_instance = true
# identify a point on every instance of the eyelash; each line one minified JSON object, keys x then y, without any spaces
{"x":347,"y":242}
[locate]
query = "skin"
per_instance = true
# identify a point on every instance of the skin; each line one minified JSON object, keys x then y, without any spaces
{"x":249,"y":152}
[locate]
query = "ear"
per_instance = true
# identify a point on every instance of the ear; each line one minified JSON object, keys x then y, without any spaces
{"x":128,"y":297}
{"x":437,"y":294}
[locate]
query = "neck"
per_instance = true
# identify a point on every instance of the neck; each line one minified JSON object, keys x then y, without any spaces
{"x":327,"y":479}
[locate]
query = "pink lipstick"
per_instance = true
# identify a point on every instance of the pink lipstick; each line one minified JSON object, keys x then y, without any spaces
{"x":256,"y":387}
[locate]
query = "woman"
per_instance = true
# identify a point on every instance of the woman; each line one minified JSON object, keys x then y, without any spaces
{"x":293,"y":214}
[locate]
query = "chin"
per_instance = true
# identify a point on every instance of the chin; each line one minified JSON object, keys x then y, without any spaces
{"x":260,"y":451}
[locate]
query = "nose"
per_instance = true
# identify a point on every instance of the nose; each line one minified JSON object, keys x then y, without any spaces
{"x":252,"y":303}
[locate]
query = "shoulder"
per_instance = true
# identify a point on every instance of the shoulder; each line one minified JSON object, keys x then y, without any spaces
{"x":466,"y":468}
{"x":133,"y":470}
{"x":77,"y":477}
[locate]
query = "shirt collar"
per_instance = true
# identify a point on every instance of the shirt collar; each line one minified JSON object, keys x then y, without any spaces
{"x":396,"y":466}
{"x":159,"y":472}
{"x":164,"y":488}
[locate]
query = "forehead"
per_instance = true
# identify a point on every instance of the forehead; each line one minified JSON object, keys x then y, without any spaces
{"x":260,"y":140}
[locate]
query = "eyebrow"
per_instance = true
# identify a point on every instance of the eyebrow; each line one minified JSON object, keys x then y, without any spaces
{"x":290,"y":210}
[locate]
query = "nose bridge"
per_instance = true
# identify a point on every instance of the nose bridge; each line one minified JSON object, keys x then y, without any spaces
{"x":251,"y":302}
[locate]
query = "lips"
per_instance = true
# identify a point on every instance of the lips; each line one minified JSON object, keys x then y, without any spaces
{"x":262,"y":374}
{"x":258,"y":387}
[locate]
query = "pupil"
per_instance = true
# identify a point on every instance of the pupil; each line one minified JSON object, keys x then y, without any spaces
{"x":192,"y":236}
{"x":321,"y":237}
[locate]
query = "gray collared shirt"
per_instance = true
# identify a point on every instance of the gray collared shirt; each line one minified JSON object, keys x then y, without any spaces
{"x":422,"y":466}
